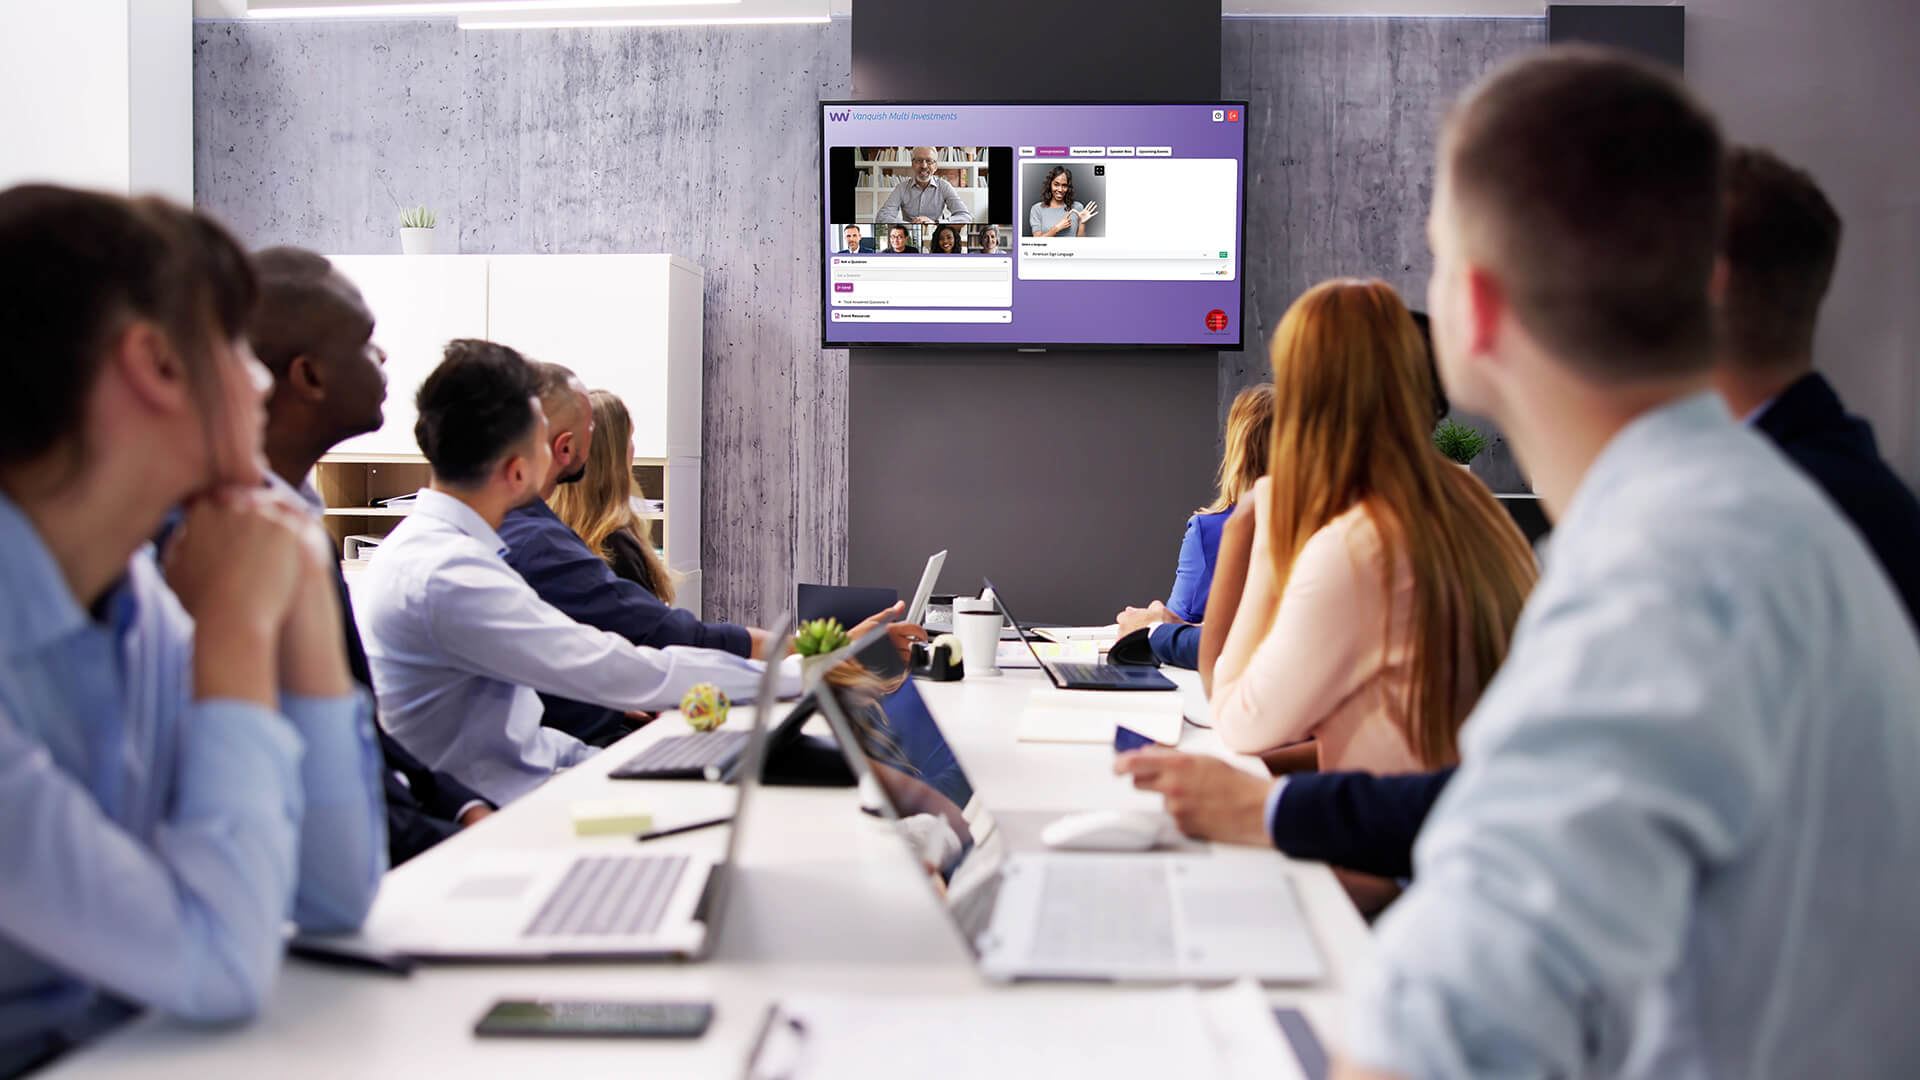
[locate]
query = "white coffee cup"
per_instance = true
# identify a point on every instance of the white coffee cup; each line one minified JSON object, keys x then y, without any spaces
{"x":977,"y":624}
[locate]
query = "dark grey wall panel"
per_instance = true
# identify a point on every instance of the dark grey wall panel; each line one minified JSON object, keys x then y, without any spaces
{"x":1658,"y":31}
{"x":1344,"y":120}
{"x":1066,"y":477}
{"x":696,"y":141}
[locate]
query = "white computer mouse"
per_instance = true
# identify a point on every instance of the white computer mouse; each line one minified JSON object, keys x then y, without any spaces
{"x":1108,"y":830}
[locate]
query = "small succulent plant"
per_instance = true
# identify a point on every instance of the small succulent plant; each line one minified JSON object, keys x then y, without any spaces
{"x":418,"y":217}
{"x":1458,"y":442}
{"x":819,"y":637}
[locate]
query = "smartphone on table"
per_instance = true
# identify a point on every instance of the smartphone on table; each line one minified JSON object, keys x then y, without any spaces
{"x":597,"y":1019}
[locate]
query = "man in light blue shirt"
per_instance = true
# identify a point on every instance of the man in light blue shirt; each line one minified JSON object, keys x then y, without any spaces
{"x":1683,"y":835}
{"x":183,"y":762}
{"x":460,"y":645}
{"x":923,"y":197}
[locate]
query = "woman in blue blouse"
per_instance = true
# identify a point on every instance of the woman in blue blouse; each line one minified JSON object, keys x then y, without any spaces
{"x":187,"y":764}
{"x":1249,"y":438}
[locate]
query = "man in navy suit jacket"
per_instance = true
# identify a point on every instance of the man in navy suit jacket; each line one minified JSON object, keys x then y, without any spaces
{"x":1781,"y":241}
{"x":574,"y":578}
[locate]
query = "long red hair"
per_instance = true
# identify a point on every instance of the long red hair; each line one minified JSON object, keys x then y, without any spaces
{"x":1353,"y":411}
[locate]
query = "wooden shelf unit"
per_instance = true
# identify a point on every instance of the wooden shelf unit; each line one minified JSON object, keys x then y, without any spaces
{"x":349,"y":484}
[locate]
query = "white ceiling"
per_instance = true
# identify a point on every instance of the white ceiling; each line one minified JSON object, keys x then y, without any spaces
{"x":545,"y":9}
{"x":238,"y":8}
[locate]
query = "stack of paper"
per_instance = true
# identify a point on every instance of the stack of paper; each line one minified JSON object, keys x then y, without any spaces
{"x":1155,"y":1035}
{"x":1013,"y":654}
{"x":1106,"y":635}
{"x":1089,"y":716}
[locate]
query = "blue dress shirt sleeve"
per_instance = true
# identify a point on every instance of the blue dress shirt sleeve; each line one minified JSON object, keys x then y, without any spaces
{"x":189,"y":924}
{"x":571,"y":577}
{"x":1191,"y":579}
{"x":1612,"y":761}
{"x":343,"y":835}
{"x":1176,"y":644}
{"x":484,"y":615}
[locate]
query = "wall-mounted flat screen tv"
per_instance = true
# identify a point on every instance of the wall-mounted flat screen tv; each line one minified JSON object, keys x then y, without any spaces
{"x":1032,"y":225}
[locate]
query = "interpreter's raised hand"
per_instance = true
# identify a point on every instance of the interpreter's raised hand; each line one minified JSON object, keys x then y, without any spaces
{"x":1208,"y":798}
{"x":1089,"y":212}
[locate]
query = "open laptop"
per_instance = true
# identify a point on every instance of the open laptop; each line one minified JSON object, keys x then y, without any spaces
{"x":1077,"y":676}
{"x":929,"y":577}
{"x":1064,"y":915}
{"x":715,"y":755}
{"x":594,"y":901}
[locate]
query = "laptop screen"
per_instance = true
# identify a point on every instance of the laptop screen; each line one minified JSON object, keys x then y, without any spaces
{"x":905,"y":763}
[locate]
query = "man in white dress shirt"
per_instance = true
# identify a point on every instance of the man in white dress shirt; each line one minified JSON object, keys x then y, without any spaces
{"x":1682,"y":839}
{"x":460,"y":645}
{"x":923,"y":197}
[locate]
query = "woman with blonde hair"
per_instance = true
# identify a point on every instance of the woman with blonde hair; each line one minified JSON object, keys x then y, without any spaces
{"x":1249,"y":439}
{"x":599,"y":506}
{"x":1381,"y":582}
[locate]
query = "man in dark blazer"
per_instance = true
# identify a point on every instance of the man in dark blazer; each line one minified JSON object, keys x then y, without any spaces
{"x":1781,"y":241}
{"x":314,"y":333}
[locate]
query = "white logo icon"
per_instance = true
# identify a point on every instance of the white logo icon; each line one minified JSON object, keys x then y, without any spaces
{"x":1219,"y":116}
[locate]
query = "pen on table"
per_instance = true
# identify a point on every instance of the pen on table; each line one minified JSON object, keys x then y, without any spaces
{"x":391,"y":963}
{"x":688,"y":827}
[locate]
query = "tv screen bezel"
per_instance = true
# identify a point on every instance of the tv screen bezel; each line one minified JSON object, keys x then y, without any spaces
{"x":1239,"y":342}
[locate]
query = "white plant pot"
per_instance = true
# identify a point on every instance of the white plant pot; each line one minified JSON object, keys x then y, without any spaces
{"x":812,"y":670}
{"x":419,"y":241}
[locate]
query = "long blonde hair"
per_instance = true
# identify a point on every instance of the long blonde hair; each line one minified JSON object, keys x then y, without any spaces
{"x":1249,"y":441}
{"x":1353,"y":412}
{"x":600,"y":503}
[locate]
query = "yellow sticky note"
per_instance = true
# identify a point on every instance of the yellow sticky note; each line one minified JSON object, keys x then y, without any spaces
{"x":610,"y":817}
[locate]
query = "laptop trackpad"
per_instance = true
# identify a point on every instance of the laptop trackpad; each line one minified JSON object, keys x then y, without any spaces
{"x":492,"y":887}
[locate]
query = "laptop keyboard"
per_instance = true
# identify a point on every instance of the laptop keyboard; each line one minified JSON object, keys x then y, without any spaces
{"x":610,"y":896}
{"x":1084,"y":672}
{"x":1099,"y":911}
{"x":683,"y":753}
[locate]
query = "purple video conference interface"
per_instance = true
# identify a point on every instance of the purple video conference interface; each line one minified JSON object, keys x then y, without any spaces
{"x":1032,"y":224}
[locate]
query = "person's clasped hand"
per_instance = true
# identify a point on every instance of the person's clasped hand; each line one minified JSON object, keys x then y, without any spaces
{"x":1206,"y":797}
{"x":1133,"y":618}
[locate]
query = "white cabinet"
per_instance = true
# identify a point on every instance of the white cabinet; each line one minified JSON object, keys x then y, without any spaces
{"x":419,"y":303}
{"x":626,"y":323}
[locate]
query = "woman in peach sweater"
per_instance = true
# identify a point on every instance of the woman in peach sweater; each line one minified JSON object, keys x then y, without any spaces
{"x":1381,"y":582}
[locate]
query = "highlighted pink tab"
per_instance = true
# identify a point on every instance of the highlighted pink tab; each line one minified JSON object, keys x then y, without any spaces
{"x":1054,"y":151}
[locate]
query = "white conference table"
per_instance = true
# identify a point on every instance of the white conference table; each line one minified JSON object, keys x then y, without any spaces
{"x":826,"y":899}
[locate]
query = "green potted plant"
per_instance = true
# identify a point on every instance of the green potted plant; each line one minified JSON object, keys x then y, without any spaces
{"x":1458,"y":442}
{"x":417,"y":231}
{"x":813,"y":642}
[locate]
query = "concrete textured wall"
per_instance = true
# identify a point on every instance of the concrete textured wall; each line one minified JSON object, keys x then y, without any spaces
{"x":703,"y":142}
{"x":1345,"y":121}
{"x":699,"y":142}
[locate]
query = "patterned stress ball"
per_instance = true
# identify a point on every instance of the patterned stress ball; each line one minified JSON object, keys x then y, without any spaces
{"x":705,"y":706}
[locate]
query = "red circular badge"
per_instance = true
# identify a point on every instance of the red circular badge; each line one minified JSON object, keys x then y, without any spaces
{"x":1216,"y":320}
